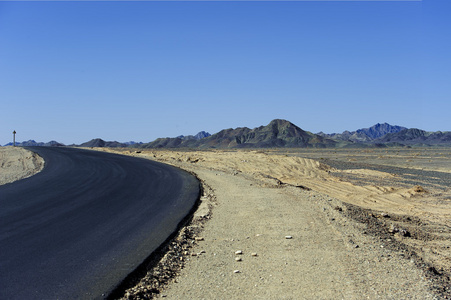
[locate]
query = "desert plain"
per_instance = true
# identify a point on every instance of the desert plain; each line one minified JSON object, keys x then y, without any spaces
{"x":299,"y":224}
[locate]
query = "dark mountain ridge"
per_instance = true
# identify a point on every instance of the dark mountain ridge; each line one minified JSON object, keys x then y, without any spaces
{"x":283,"y":134}
{"x":278,"y":133}
{"x":365,"y":135}
{"x":34,"y":143}
{"x":101,"y":143}
{"x":198,"y":136}
{"x":414,"y":136}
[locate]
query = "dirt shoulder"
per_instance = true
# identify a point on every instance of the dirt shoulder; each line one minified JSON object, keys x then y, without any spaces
{"x":17,"y":163}
{"x":347,"y":240}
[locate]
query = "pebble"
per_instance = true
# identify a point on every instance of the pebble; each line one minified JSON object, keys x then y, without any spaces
{"x":238,"y":258}
{"x":236,"y":271}
{"x":199,"y":238}
{"x":239,"y":252}
{"x":203,"y":251}
{"x":288,"y":237}
{"x":254,"y":254}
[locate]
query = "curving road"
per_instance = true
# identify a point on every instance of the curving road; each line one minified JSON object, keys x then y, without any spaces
{"x":88,"y":219}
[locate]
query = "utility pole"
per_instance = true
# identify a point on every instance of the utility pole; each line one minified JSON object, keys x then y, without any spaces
{"x":14,"y":138}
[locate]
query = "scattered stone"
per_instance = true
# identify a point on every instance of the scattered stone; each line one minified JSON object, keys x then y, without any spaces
{"x":198,"y":238}
{"x":203,"y":251}
{"x":239,"y":252}
{"x":288,"y":237}
{"x":404,"y":233}
{"x":393,"y":229}
{"x":419,"y":189}
{"x":193,"y":254}
{"x":236,"y":271}
{"x":238,"y":259}
{"x":254,"y":254}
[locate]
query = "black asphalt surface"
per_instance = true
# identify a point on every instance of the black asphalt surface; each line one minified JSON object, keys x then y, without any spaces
{"x":88,"y":219}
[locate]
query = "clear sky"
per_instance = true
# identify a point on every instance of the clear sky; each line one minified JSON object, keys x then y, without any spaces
{"x":73,"y":71}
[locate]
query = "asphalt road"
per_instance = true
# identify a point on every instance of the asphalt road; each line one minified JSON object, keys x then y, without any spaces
{"x":87,"y":220}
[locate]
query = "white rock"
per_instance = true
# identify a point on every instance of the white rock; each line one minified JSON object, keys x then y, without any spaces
{"x":288,"y":237}
{"x":239,"y":252}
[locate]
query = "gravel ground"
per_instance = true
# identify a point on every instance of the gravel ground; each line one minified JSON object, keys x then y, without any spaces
{"x":405,"y":176}
{"x":290,"y":244}
{"x":336,"y":249}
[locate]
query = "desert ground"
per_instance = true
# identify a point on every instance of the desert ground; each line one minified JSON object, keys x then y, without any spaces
{"x":306,"y":224}
{"x":17,"y":163}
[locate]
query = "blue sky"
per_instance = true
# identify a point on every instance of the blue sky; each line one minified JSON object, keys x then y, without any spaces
{"x":73,"y":71}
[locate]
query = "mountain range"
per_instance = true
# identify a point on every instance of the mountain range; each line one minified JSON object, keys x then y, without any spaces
{"x":365,"y":134}
{"x":278,"y":133}
{"x":34,"y":143}
{"x":284,"y":134}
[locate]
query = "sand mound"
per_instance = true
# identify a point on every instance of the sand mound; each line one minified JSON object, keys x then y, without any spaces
{"x":17,"y":163}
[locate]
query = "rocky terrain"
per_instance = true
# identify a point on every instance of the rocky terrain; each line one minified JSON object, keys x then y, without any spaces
{"x":273,"y":224}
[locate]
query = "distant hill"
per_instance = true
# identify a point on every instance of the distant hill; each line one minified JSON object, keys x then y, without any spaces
{"x":132,"y":143}
{"x":278,"y":133}
{"x":34,"y":143}
{"x":418,"y":137}
{"x":365,"y":135}
{"x":101,"y":143}
{"x":283,"y":134}
{"x":198,"y":136}
{"x":189,"y":141}
{"x":158,"y":143}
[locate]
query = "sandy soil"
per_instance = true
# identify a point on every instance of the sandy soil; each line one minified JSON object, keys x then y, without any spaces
{"x":348,"y":240}
{"x":17,"y":163}
{"x":305,"y":231}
